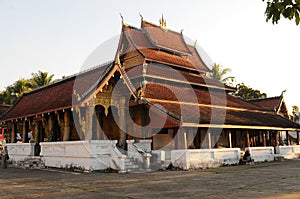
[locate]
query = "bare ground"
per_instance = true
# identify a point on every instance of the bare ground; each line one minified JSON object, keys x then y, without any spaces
{"x":264,"y":180}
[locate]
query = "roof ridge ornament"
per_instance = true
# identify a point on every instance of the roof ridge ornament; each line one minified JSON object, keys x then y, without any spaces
{"x":142,"y":18}
{"x":163,"y":23}
{"x":123,"y":23}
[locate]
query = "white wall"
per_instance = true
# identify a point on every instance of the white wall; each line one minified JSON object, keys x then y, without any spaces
{"x":204,"y":158}
{"x":261,"y":154}
{"x":20,"y":151}
{"x":85,"y":155}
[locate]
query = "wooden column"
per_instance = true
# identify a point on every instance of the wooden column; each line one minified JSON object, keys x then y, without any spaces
{"x":247,"y":139}
{"x":276,"y":138}
{"x":36,"y":131}
{"x":66,"y":136}
{"x":25,"y":131}
{"x":229,"y":139}
{"x":288,"y":142}
{"x":13,"y":132}
{"x":209,"y":139}
{"x":184,"y":139}
{"x":298,"y":137}
{"x":264,"y":142}
{"x":190,"y":138}
{"x":122,"y":122}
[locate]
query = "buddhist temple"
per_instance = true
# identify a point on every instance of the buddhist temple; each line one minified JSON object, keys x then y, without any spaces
{"x":153,"y":104}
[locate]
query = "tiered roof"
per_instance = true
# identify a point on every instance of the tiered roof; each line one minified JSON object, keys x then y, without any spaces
{"x":165,"y":73}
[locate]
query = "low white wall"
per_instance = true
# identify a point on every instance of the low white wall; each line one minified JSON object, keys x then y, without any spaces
{"x":85,"y":155}
{"x":289,"y":152}
{"x":204,"y":158}
{"x":261,"y":154}
{"x":20,"y":151}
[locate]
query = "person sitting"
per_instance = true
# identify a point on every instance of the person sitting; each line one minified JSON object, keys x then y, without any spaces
{"x":246,"y":158}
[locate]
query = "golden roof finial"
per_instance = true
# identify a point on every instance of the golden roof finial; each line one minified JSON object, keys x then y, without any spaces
{"x":163,"y":22}
{"x":142,"y":18}
{"x":122,"y":19}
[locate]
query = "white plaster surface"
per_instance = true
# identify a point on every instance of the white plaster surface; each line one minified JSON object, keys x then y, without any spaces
{"x":204,"y":158}
{"x":289,"y":152}
{"x":20,"y":151}
{"x":86,"y":155}
{"x":261,"y":154}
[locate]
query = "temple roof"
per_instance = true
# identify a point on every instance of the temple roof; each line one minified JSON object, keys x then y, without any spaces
{"x":4,"y":108}
{"x":165,"y":73}
{"x":142,"y":41}
{"x":275,"y":104}
{"x":204,"y":108}
{"x":56,"y":96}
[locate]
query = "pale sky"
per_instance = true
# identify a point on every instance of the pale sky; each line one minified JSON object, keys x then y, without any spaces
{"x":57,"y":36}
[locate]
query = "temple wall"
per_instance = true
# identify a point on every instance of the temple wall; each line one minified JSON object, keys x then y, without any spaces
{"x":204,"y":158}
{"x":84,"y":155}
{"x":288,"y":152}
{"x":20,"y":151}
{"x":261,"y":154}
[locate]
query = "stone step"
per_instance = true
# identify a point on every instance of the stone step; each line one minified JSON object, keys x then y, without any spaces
{"x":30,"y":163}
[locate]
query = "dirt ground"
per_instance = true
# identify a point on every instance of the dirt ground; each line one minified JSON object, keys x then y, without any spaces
{"x":264,"y":180}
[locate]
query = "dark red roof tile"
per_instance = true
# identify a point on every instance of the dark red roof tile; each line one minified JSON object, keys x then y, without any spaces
{"x":56,"y":96}
{"x":167,"y":39}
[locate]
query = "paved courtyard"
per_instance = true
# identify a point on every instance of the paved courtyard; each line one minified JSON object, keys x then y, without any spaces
{"x":264,"y":180}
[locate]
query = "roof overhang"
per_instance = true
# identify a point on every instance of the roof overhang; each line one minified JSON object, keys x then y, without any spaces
{"x":230,"y":126}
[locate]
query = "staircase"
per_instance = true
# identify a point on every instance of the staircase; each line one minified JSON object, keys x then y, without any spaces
{"x":131,"y":165}
{"x":34,"y":162}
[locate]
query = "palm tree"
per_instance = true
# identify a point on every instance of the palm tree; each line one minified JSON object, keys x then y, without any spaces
{"x":219,"y":73}
{"x":41,"y":79}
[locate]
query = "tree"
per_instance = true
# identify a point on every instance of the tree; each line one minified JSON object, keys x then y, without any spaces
{"x":246,"y":92}
{"x":13,"y":92}
{"x":220,"y":74}
{"x":41,"y":79}
{"x":16,"y":90}
{"x":289,"y":9}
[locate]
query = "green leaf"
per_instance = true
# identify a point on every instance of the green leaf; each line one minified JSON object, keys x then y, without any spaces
{"x":297,"y":18}
{"x":287,"y":12}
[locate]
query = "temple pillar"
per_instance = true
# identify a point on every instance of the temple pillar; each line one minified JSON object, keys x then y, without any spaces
{"x":13,"y":132}
{"x":190,"y":138}
{"x":36,"y":131}
{"x":288,"y":142}
{"x":264,"y":142}
{"x":89,"y":121}
{"x":247,"y":139}
{"x":229,"y":139}
{"x":25,"y":131}
{"x":66,"y":136}
{"x":122,"y":122}
{"x":206,"y":139}
{"x":276,"y":138}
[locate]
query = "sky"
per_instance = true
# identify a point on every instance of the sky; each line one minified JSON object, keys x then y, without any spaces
{"x":57,"y":36}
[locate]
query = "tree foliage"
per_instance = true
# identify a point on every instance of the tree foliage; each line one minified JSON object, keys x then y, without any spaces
{"x":289,"y":9}
{"x":17,"y":89}
{"x":40,"y":79}
{"x":221,"y":74}
{"x":246,"y":92}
